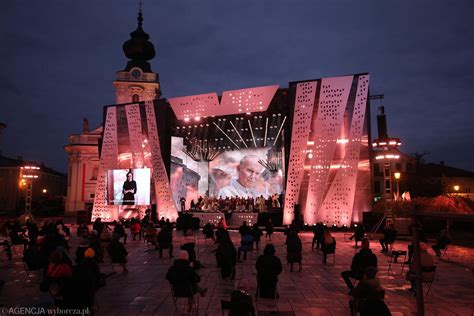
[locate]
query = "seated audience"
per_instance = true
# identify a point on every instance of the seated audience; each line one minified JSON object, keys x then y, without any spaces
{"x":117,"y":252}
{"x":183,"y":278}
{"x":268,"y":268}
{"x":368,"y":294}
{"x":241,"y":303}
{"x":389,"y":236}
{"x":226,"y":256}
{"x":165,"y":241}
{"x":208,"y":231}
{"x":363,"y":259}
{"x":328,"y":245}
{"x":359,"y":234}
{"x":85,"y":281}
{"x":246,"y":243}
{"x":443,"y":241}
{"x":318,"y":231}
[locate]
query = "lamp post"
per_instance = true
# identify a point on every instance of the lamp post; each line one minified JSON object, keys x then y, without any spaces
{"x":397,"y":177}
{"x":28,"y":174}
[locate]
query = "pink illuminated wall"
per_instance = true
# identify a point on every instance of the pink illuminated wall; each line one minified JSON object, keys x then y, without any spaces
{"x":325,"y":174}
{"x":108,"y":160}
{"x":338,"y":203}
{"x":326,"y":127}
{"x":233,"y":102}
{"x":164,"y":197}
{"x":303,"y":111}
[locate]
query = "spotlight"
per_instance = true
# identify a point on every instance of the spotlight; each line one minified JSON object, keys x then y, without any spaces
{"x":355,"y":225}
{"x":186,"y":119}
{"x":197,"y":118}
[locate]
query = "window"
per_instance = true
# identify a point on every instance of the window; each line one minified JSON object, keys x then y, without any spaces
{"x":398,"y":167}
{"x":377,"y":187}
{"x":95,"y":172}
{"x":135,"y":98}
{"x":92,"y":195}
{"x":377,"y":170}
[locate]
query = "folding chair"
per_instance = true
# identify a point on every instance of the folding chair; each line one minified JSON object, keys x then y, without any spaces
{"x":356,"y":304}
{"x":275,"y":294}
{"x":428,"y":279}
{"x":394,"y":255}
{"x":444,"y":252}
{"x":190,"y":302}
{"x":225,"y":305}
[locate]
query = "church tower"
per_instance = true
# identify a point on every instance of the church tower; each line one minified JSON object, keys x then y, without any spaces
{"x":137,"y":82}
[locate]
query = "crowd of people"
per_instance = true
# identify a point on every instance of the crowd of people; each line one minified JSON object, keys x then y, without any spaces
{"x":234,"y":204}
{"x":73,"y":283}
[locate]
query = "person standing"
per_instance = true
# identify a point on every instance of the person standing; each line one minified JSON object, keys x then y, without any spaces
{"x":294,"y":249}
{"x":129,"y":189}
{"x":269,"y":229}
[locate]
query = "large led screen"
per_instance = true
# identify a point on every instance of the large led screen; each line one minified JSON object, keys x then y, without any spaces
{"x":128,"y":187}
{"x":233,"y":173}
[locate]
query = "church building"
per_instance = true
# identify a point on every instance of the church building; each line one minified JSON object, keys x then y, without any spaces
{"x":136,"y":82}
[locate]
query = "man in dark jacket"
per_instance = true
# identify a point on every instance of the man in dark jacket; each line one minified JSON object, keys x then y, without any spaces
{"x":165,"y":240}
{"x":184,"y":278}
{"x":359,"y":234}
{"x":389,"y":236}
{"x":363,"y":259}
{"x":294,"y":249}
{"x":245,"y":229}
{"x":268,"y":268}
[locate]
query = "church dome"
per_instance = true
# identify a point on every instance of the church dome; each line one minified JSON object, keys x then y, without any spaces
{"x":138,"y":49}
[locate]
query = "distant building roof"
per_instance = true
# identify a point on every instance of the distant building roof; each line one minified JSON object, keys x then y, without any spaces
{"x":11,"y":162}
{"x":440,"y":170}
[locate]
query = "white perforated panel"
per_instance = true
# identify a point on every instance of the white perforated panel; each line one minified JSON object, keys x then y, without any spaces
{"x":135,"y":134}
{"x":304,"y":102}
{"x":247,"y":100}
{"x":108,"y":160}
{"x":164,"y":198}
{"x":200,"y":105}
{"x":338,"y":203}
{"x":233,"y":102}
{"x":330,"y":112}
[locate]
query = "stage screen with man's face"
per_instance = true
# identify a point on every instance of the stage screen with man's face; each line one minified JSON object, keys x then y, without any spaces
{"x":233,"y":173}
{"x":128,"y":186}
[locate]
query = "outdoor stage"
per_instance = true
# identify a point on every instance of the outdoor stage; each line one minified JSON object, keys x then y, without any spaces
{"x":308,"y":142}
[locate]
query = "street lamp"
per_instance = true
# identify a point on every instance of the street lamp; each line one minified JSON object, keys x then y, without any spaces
{"x":456,"y":188}
{"x":397,"y":177}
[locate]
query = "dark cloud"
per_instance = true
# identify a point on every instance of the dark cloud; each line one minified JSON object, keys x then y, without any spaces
{"x":59,"y":58}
